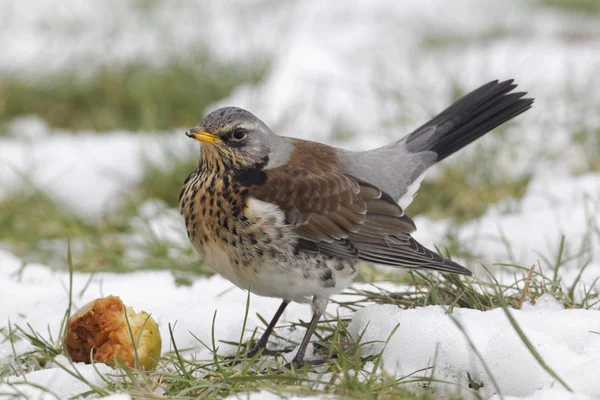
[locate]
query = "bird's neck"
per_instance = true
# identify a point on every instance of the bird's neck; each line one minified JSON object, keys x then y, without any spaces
{"x":215,"y":163}
{"x":218,"y":185}
{"x":211,"y":160}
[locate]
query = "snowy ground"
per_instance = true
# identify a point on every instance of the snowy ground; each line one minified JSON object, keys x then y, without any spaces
{"x":352,"y":66}
{"x":567,"y":339}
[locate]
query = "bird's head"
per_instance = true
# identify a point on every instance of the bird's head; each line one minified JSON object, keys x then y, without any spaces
{"x":234,"y":137}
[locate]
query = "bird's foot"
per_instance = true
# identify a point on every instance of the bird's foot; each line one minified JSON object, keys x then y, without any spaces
{"x":236,"y":359}
{"x":270,"y":352}
{"x":301,"y":363}
{"x":297,"y":364}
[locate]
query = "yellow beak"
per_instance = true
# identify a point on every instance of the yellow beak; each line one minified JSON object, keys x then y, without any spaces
{"x":201,"y":135}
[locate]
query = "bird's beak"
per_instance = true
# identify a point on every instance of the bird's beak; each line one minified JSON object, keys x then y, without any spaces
{"x":201,"y":135}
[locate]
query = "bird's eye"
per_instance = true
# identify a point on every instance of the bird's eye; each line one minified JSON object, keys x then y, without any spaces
{"x":239,"y":134}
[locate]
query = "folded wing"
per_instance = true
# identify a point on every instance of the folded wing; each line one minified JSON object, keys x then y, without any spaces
{"x":339,"y":215}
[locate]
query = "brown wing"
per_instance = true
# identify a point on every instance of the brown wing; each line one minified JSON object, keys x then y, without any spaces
{"x":339,"y":215}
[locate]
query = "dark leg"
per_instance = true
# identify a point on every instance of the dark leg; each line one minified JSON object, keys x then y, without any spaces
{"x":299,"y":359}
{"x":264,"y":339}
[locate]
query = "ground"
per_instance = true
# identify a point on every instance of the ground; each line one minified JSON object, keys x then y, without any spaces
{"x":94,"y":102}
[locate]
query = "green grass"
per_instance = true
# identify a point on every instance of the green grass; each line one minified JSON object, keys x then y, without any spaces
{"x":589,"y":7}
{"x":179,"y":377}
{"x":453,"y":195}
{"x":30,"y":220}
{"x":38,"y":229}
{"x":31,"y":223}
{"x":589,"y":140}
{"x":345,"y":374}
{"x":440,"y":40}
{"x":132,"y":97}
{"x":139,"y":97}
{"x":164,"y":182}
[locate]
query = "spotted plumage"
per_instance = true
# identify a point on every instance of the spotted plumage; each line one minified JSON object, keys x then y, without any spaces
{"x":249,"y":241}
{"x":291,"y":219}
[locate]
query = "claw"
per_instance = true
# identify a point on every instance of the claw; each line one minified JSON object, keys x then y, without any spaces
{"x":269,"y":352}
{"x":301,"y":363}
{"x":294,"y":364}
{"x":234,"y":360}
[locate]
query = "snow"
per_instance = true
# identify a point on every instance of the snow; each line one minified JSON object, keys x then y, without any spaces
{"x":369,"y":74}
{"x":357,"y":66}
{"x":551,"y":209}
{"x":150,"y":292}
{"x":84,"y":171}
{"x":428,"y":336}
{"x":60,"y":382}
{"x":264,"y":395}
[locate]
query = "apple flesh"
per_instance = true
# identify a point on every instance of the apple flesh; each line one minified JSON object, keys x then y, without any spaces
{"x":101,"y":329}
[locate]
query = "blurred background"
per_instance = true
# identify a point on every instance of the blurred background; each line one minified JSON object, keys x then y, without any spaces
{"x":95,"y":97}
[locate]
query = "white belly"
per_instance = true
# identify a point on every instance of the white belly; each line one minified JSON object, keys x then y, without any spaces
{"x":294,"y":279}
{"x":275,"y":271}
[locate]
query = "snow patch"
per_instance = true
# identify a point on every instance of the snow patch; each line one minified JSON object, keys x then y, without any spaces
{"x":428,"y":336}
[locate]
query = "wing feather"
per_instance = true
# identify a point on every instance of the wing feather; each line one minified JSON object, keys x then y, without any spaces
{"x":338,"y":215}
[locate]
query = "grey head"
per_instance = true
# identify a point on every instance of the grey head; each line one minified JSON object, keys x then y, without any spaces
{"x":239,"y":138}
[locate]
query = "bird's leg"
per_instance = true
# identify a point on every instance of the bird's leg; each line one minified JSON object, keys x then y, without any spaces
{"x":299,"y":358}
{"x":264,"y":339}
{"x":319,"y":304}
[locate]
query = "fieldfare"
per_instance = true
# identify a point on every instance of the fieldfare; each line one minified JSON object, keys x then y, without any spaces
{"x":291,"y":218}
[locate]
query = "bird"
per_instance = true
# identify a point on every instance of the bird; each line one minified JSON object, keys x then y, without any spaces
{"x":291,"y":219}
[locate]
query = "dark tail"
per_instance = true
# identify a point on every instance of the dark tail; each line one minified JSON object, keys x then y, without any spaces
{"x":469,"y":118}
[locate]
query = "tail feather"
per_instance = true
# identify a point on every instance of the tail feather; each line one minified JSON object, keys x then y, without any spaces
{"x":469,"y":118}
{"x":397,"y":168}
